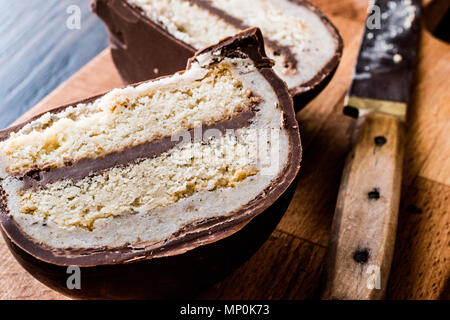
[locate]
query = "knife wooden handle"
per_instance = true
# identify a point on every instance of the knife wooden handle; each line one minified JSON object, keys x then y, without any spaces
{"x":365,"y":220}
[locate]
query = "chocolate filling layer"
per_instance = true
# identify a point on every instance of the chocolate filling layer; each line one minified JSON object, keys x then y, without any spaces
{"x":88,"y":166}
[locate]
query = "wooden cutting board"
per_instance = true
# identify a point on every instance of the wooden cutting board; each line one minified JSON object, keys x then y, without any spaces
{"x":290,"y":263}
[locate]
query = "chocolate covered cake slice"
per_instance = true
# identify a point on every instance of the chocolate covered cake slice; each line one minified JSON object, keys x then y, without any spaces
{"x":155,"y":169}
{"x":154,"y":37}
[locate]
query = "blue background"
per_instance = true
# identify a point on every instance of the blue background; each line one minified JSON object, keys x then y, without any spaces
{"x":38,"y":51}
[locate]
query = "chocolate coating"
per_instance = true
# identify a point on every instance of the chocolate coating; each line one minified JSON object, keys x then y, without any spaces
{"x":140,"y":47}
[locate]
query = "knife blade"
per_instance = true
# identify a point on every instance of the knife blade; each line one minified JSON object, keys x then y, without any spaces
{"x":384,"y":69}
{"x":365,"y":220}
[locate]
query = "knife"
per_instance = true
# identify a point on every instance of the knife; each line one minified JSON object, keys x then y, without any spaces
{"x":365,"y":220}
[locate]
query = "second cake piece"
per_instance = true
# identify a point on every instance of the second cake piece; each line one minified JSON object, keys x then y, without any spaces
{"x":155,"y":37}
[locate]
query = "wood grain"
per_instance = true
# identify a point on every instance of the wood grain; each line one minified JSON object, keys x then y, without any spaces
{"x":16,"y":283}
{"x":421,"y":266}
{"x":286,"y":267}
{"x":439,"y":153}
{"x":429,"y":112}
{"x":290,"y":263}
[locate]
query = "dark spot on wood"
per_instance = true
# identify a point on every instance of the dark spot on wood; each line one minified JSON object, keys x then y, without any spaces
{"x":374,"y":194}
{"x":380,"y":141}
{"x":413,"y":209}
{"x":361,"y":256}
{"x":44,"y":224}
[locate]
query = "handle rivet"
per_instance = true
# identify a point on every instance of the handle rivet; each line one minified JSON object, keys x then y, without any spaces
{"x":374,"y":194}
{"x":380,"y":141}
{"x":361,"y":255}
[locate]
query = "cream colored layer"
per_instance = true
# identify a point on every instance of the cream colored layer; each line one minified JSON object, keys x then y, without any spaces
{"x":143,"y":186}
{"x":127,"y":117}
{"x":283,"y":21}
